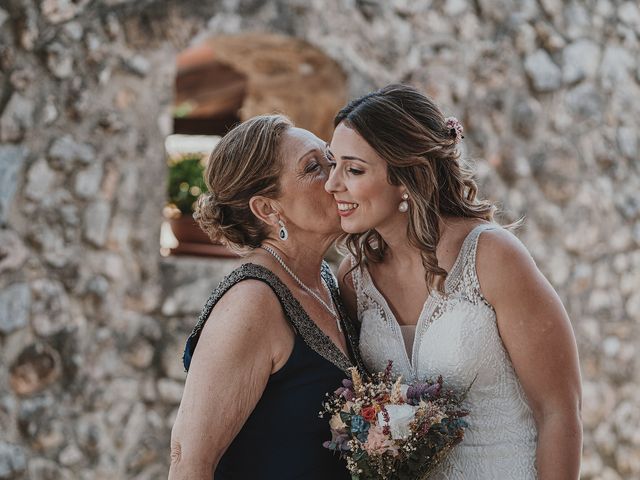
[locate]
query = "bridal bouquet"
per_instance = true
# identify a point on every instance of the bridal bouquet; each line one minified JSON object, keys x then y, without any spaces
{"x":389,"y":430}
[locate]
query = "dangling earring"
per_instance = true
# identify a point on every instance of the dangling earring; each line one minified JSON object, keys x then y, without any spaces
{"x":282,"y":233}
{"x":404,"y":205}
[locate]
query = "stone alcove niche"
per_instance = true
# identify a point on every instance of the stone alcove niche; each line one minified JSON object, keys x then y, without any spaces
{"x":226,"y":79}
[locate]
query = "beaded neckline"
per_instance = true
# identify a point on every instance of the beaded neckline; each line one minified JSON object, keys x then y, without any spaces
{"x":311,"y":334}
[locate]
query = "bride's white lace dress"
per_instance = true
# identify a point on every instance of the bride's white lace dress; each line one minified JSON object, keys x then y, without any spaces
{"x":457,"y":337}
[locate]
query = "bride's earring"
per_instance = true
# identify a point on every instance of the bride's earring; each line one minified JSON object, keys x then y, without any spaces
{"x":282,"y":233}
{"x":404,"y":205}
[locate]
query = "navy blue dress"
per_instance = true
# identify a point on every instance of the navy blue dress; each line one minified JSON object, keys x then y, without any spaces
{"x":282,"y":438}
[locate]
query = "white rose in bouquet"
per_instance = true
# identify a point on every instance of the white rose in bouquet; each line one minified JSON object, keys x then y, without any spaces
{"x":400,"y":417}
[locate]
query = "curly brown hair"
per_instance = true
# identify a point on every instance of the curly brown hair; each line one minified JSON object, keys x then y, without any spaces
{"x":244,"y":164}
{"x":408,"y":130}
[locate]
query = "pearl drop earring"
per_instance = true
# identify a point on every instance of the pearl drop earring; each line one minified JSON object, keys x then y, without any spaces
{"x":404,"y":205}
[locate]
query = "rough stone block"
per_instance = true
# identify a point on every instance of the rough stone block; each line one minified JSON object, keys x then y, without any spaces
{"x":11,"y":160}
{"x":16,"y":119}
{"x":15,"y":303}
{"x":13,"y":460}
{"x":544,"y":74}
{"x":66,"y":153}
{"x":96,"y":222}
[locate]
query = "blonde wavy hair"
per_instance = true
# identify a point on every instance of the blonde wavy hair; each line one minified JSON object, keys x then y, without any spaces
{"x":245,"y":163}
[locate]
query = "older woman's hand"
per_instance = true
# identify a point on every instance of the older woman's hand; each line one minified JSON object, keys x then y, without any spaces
{"x":241,"y":344}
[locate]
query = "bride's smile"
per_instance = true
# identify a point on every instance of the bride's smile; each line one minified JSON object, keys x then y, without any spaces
{"x":359,"y":184}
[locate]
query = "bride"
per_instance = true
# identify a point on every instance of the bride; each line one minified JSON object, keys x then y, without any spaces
{"x":441,"y":289}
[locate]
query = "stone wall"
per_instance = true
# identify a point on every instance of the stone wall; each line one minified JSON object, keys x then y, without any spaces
{"x":92,"y":320}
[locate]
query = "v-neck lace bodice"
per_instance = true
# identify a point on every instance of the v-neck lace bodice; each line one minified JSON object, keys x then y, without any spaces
{"x":457,"y":337}
{"x":430,"y":309}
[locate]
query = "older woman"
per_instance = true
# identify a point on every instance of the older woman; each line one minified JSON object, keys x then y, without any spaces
{"x":272,"y":338}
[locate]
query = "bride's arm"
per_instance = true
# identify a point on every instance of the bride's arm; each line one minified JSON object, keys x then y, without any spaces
{"x":347,"y":291}
{"x":537,"y":334}
{"x":236,"y":353}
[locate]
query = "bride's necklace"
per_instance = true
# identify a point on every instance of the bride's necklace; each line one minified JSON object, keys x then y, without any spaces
{"x":329,"y":308}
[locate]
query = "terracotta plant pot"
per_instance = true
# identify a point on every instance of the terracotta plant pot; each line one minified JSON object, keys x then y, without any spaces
{"x":193,"y":241}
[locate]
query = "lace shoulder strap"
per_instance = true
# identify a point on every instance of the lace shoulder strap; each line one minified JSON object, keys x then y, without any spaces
{"x":356,"y":278}
{"x":464,"y":277}
{"x":356,"y":274}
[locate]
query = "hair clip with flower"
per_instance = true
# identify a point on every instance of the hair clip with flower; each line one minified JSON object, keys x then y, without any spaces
{"x":455,"y":128}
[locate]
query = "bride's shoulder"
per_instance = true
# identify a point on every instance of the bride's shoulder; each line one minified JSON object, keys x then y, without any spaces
{"x":499,"y":244}
{"x":502,"y":260}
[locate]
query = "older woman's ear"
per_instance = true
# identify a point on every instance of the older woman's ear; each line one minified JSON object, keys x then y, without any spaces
{"x":265,"y":209}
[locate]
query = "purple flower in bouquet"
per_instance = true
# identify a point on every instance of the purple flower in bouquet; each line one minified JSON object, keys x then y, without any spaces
{"x":386,"y":374}
{"x":339,"y":442}
{"x":346,"y":390}
{"x":424,"y":391}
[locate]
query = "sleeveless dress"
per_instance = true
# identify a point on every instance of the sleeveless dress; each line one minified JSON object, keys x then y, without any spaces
{"x":457,"y":336}
{"x":282,"y":438}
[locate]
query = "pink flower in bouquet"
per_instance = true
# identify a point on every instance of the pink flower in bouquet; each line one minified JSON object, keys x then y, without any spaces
{"x":378,"y":443}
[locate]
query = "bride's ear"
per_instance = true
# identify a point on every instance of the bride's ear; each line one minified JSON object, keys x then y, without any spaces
{"x":265,"y":209}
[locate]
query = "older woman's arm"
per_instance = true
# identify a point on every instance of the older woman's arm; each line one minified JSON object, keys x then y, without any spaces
{"x":537,"y":334}
{"x":242,"y":343}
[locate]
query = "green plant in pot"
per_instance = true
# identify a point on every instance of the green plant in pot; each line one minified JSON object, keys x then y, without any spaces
{"x":186,"y":182}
